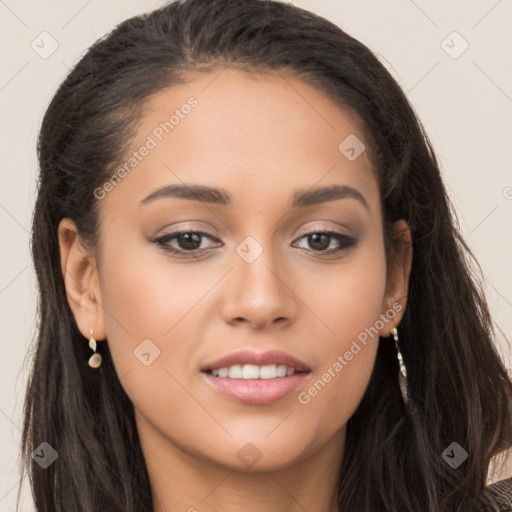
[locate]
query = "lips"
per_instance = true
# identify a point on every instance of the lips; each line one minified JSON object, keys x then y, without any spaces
{"x":247,"y":357}
{"x":254,"y":378}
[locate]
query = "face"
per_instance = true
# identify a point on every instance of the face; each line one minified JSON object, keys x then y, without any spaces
{"x":250,"y":271}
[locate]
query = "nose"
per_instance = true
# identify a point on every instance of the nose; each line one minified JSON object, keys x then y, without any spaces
{"x":259,"y":293}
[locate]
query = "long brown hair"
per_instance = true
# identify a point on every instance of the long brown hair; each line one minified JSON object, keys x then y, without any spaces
{"x":458,"y":384}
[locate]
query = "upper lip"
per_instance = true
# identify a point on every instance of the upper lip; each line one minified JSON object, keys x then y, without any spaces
{"x":258,"y":358}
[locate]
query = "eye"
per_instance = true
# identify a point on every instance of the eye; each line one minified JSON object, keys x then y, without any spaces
{"x":320,"y":241}
{"x":187,"y":240}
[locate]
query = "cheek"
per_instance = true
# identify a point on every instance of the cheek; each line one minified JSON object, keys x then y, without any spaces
{"x":140,"y":302}
{"x":146,"y":291}
{"x":347,"y":297}
{"x":347,"y":303}
{"x":155,"y":317}
{"x":148,"y":306}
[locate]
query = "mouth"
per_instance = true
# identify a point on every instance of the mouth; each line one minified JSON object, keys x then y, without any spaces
{"x":256,"y":378}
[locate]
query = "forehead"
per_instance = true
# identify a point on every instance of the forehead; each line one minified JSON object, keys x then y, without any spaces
{"x":256,"y":135}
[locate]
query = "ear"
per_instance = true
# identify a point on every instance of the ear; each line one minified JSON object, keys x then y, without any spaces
{"x":399,"y":269}
{"x":81,"y":281}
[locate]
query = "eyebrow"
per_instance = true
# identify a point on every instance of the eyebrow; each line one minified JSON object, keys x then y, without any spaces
{"x":301,"y":198}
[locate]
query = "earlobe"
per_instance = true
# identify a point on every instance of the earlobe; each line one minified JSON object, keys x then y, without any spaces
{"x":81,"y":281}
{"x":399,"y":270}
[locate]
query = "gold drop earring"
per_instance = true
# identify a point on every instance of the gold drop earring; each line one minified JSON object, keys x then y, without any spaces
{"x":95,"y":359}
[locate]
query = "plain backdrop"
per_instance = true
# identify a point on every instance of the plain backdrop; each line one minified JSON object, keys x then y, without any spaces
{"x":452,"y":59}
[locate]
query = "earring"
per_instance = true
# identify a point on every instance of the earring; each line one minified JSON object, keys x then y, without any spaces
{"x":402,"y":374}
{"x":95,"y":359}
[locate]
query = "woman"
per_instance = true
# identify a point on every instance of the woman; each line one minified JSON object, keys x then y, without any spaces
{"x":253,"y":292}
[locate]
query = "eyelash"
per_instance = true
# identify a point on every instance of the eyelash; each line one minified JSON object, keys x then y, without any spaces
{"x":347,"y":242}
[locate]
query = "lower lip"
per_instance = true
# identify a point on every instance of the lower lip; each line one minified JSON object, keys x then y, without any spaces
{"x":256,"y":391}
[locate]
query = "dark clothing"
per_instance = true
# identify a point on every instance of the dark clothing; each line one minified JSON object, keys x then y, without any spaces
{"x":498,"y":492}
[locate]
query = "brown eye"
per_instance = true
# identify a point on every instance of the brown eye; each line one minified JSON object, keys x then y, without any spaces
{"x":320,"y":241}
{"x":187,"y":241}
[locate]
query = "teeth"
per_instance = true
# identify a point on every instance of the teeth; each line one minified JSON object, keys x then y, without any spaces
{"x":252,"y":371}
{"x":281,"y":370}
{"x":268,"y":372}
{"x":235,"y":371}
{"x":249,"y":371}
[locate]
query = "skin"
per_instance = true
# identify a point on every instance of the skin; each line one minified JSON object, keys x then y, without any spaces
{"x":260,"y":138}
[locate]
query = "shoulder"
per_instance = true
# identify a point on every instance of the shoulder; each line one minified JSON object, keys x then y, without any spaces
{"x":497,"y":497}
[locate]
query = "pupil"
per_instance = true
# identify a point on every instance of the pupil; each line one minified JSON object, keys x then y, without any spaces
{"x":316,"y":240}
{"x":191,"y":240}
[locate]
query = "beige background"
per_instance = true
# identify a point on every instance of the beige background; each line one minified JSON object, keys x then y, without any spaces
{"x":465,"y":104}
